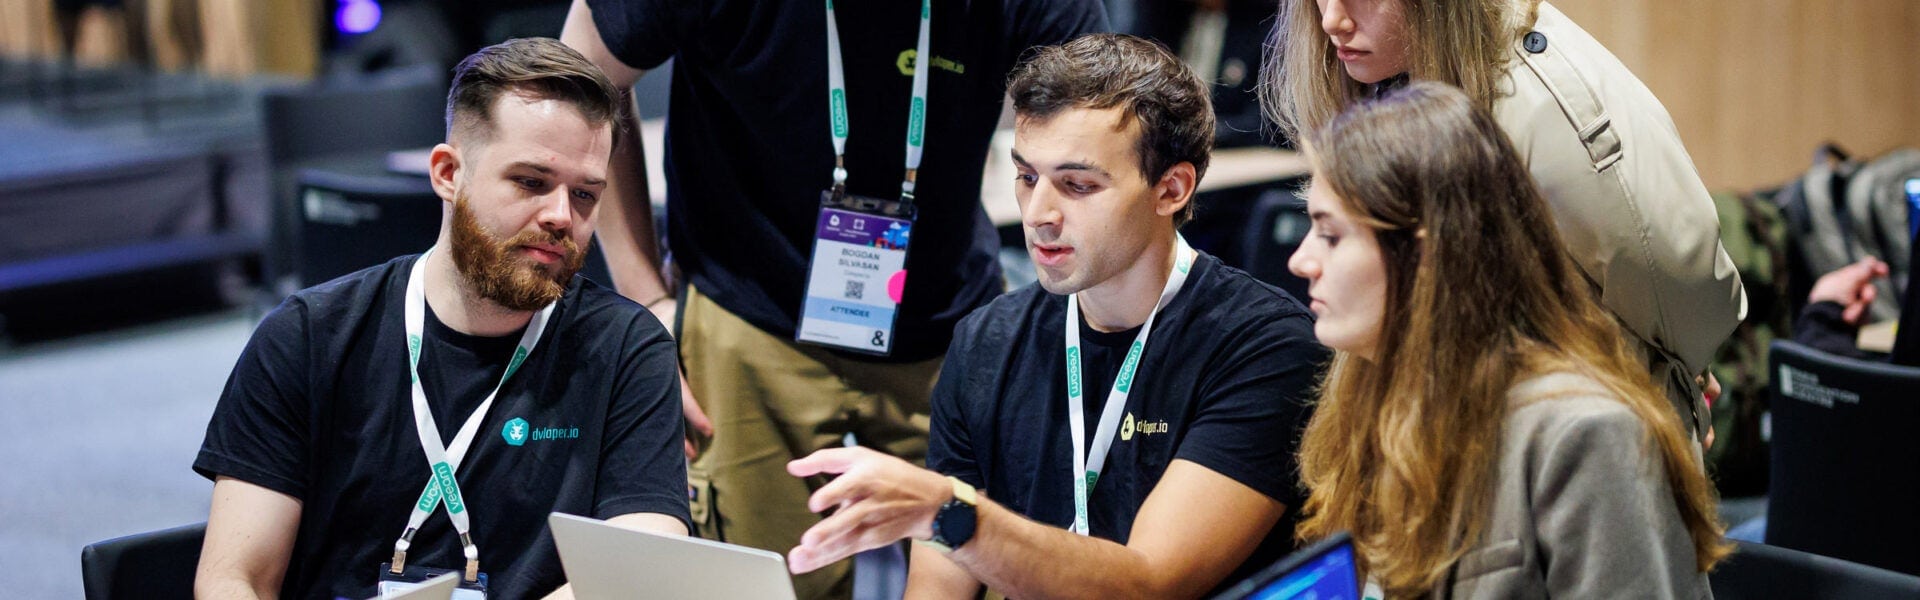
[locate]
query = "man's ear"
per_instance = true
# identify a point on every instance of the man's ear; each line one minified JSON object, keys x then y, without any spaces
{"x":443,"y":168}
{"x":1175,"y":189}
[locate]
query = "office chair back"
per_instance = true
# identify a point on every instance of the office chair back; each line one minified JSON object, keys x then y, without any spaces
{"x":348,"y":223}
{"x":1763,"y":571}
{"x":397,"y":110}
{"x":1906,"y":340}
{"x":1275,"y":227}
{"x":1845,"y":458}
{"x":157,"y":565}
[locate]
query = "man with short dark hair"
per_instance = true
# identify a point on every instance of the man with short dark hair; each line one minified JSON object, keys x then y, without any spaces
{"x":549,"y":392}
{"x":823,"y":167}
{"x":1133,"y":417}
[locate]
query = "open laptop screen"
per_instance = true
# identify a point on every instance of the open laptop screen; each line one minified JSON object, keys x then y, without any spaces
{"x":1322,"y":571}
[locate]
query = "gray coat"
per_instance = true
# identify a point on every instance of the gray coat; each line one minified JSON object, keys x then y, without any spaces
{"x":1581,"y":506}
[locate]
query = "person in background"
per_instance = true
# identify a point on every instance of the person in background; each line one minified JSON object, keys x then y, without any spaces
{"x":1631,"y":208}
{"x":1837,"y":307}
{"x":1486,"y":429}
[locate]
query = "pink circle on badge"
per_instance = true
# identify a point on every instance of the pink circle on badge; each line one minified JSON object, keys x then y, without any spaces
{"x":897,"y":285}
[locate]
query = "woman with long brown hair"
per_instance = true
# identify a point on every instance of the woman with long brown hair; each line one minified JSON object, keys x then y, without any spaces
{"x":1486,"y":429}
{"x":1635,"y":216}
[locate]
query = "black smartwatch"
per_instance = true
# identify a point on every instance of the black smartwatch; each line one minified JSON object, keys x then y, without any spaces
{"x":955,"y":522}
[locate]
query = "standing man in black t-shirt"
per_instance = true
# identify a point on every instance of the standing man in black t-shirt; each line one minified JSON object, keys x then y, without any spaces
{"x":774,"y":103}
{"x":1134,"y":417}
{"x":551,"y":393}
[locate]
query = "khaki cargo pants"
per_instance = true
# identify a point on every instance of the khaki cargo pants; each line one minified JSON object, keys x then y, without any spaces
{"x":773,"y":400}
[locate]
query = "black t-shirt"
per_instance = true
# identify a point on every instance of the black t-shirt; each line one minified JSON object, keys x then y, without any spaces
{"x":1225,"y":382}
{"x":749,"y":151}
{"x":319,"y":408}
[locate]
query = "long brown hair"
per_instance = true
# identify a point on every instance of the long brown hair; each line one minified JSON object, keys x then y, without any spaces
{"x":1402,"y":449}
{"x":1466,"y":43}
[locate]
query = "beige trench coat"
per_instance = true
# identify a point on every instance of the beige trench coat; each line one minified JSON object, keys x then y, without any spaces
{"x":1630,"y":205}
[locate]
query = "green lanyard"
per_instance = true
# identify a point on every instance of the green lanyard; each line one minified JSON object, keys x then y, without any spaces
{"x":1087,"y":466}
{"x":445,"y":460}
{"x":916,"y":114}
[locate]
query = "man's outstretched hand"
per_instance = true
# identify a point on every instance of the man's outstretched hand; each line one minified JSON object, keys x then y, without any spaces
{"x":879,"y":500}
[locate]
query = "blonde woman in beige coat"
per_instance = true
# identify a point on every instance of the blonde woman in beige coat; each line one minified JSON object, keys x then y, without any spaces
{"x":1633,"y":211}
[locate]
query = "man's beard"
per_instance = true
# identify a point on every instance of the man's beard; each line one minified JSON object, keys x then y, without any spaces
{"x":497,"y":272}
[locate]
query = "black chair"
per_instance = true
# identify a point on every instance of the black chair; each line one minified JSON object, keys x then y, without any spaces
{"x":350,"y":222}
{"x":1906,"y":341}
{"x":368,"y":115}
{"x":1763,"y":571}
{"x":1845,"y":460}
{"x":157,"y":565}
{"x":1274,"y":229}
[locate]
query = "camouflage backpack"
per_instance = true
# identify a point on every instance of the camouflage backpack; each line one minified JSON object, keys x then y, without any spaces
{"x":1755,"y":236}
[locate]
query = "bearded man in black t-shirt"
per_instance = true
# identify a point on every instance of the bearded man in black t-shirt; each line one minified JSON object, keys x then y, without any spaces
{"x":1126,"y":428}
{"x":427,"y":414}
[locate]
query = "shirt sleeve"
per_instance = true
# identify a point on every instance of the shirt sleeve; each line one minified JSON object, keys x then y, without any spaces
{"x":645,"y":33}
{"x":1254,"y":404}
{"x":950,"y":445}
{"x":642,"y":467}
{"x":1822,"y":326}
{"x":1605,"y":513}
{"x":259,"y":431}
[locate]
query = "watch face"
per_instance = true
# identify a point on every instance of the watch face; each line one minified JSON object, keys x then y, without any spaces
{"x":954,"y":524}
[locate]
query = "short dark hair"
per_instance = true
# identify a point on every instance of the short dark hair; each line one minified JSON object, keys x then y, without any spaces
{"x":1105,"y":70}
{"x":540,"y":67}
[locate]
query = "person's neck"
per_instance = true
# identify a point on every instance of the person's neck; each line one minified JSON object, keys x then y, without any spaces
{"x":458,"y":306}
{"x":1125,"y":300}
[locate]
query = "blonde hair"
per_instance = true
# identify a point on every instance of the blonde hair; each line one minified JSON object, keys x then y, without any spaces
{"x":1464,"y":43}
{"x":1402,"y":449}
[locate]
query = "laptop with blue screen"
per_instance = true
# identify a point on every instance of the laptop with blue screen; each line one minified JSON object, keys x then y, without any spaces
{"x":1322,"y":571}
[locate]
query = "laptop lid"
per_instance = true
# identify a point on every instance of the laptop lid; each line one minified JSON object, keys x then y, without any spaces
{"x":607,"y":562}
{"x":1322,"y":571}
{"x":438,"y":588}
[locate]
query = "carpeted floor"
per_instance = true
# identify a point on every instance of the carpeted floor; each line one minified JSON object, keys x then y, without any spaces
{"x":100,"y":432}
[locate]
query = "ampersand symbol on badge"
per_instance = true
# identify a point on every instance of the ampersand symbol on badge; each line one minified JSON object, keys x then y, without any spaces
{"x":879,"y":338}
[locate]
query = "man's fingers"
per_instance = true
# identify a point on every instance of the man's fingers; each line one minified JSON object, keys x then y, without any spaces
{"x":836,"y":492}
{"x":1853,"y":313}
{"x":696,"y":417}
{"x":831,"y":460}
{"x":824,"y":543}
{"x":803,"y":559}
{"x":832,"y":529}
{"x":857,"y":528}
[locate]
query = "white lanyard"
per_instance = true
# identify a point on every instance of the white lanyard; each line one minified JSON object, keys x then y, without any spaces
{"x":916,"y":114}
{"x":445,"y":460}
{"x":1087,"y":467}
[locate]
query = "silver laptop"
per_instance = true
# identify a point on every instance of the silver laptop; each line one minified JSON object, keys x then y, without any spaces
{"x":608,"y":562}
{"x":438,"y":588}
